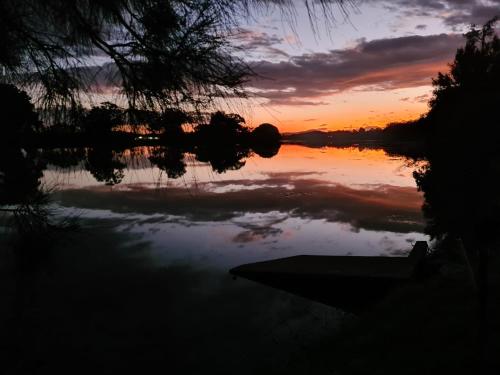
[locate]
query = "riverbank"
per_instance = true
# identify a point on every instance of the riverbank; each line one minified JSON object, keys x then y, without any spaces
{"x":432,"y":327}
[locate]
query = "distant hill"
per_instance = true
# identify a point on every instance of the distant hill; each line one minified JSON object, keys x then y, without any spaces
{"x":411,"y":131}
{"x":310,"y":137}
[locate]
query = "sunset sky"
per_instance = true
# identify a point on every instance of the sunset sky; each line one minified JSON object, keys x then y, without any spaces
{"x":369,"y":69}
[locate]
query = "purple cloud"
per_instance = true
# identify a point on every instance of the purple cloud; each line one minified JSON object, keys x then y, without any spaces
{"x":453,"y":12}
{"x":382,"y":64}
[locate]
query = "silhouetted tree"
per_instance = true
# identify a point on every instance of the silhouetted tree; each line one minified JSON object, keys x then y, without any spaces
{"x":463,"y":110}
{"x":266,"y":133}
{"x":163,"y":52}
{"x":413,"y":130}
{"x":464,"y":135}
{"x":223,"y":129}
{"x":101,"y":120}
{"x":19,"y":118}
{"x":460,"y":181}
{"x":169,"y":123}
{"x":266,"y":140}
{"x":223,"y":142}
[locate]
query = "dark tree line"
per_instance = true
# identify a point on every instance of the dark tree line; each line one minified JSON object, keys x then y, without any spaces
{"x":463,"y":134}
{"x":463,"y":109}
{"x":461,"y":178}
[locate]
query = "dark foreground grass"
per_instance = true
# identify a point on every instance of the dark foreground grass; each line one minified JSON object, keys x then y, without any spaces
{"x":428,"y":328}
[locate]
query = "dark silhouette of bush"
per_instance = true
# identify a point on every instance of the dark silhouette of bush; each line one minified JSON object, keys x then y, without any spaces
{"x":266,"y":140}
{"x":223,"y":142}
{"x":169,"y":124}
{"x":18,"y":114}
{"x":266,"y":134}
{"x":101,"y":120}
{"x":223,"y":129}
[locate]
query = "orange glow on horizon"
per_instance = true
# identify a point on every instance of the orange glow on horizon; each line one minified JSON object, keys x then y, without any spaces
{"x":342,"y":121}
{"x":345,"y":111}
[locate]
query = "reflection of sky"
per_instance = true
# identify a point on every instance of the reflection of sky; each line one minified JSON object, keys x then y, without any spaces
{"x":249,"y":238}
{"x":303,"y":201}
{"x":350,"y":167}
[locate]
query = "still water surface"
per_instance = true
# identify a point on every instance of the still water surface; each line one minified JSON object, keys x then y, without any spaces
{"x":146,"y":277}
{"x":302,"y":201}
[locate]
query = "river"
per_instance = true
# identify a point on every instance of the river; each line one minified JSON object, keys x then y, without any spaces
{"x":145,"y":275}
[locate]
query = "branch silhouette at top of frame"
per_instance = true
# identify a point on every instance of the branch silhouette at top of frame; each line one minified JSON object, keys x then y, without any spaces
{"x":157,"y":53}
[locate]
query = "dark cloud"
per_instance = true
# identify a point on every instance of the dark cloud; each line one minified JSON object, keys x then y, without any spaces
{"x":417,"y":99}
{"x":259,"y":42}
{"x":379,"y":208}
{"x":477,"y":15}
{"x":377,"y":65}
{"x":277,"y":98}
{"x":422,"y":98}
{"x":453,"y":12}
{"x":101,"y":78}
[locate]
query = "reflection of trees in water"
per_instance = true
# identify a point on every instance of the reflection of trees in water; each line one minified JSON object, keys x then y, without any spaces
{"x":104,"y":165}
{"x":223,"y":158}
{"x":267,"y":151}
{"x":461,"y":198}
{"x":64,"y":157}
{"x":225,"y":141}
{"x":29,"y":232}
{"x":25,"y":201}
{"x":108,"y":166}
{"x":20,"y":173}
{"x":170,"y":160}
